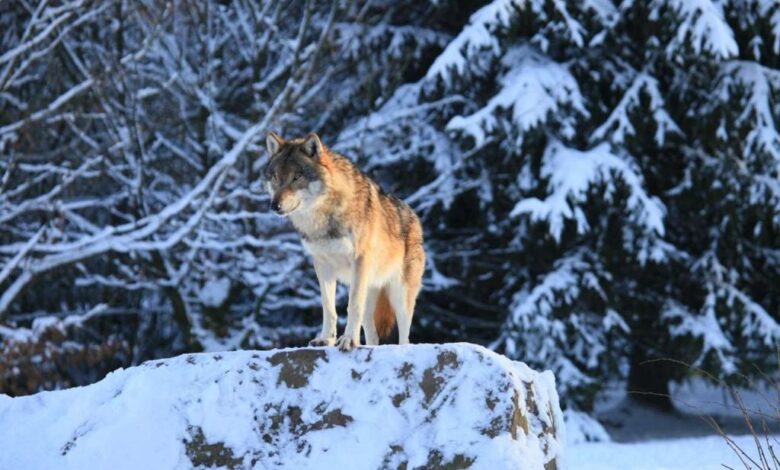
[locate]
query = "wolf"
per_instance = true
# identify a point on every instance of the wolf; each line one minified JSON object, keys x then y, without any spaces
{"x":356,"y":234}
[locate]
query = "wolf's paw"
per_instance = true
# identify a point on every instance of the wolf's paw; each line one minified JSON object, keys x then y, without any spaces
{"x":346,"y":343}
{"x":316,"y":342}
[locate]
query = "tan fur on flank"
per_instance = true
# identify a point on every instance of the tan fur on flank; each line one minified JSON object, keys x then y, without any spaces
{"x":356,"y":233}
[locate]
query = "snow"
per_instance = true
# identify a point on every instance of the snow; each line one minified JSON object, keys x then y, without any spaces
{"x":268,"y":409}
{"x":53,"y":106}
{"x":397,"y":46}
{"x":703,"y":453}
{"x":214,"y":292}
{"x":129,"y":237}
{"x":475,"y":37}
{"x":605,"y":9}
{"x":571,"y":173}
{"x":534,"y":330}
{"x":646,"y":438}
{"x":44,"y":324}
{"x":52,"y":27}
{"x":702,"y":26}
{"x":702,"y":397}
{"x":619,"y":125}
{"x":757,"y":83}
{"x":582,"y":428}
{"x":705,"y":327}
{"x":757,"y":327}
{"x":145,"y":417}
{"x":533,"y":88}
{"x":479,"y":35}
{"x":771,"y":10}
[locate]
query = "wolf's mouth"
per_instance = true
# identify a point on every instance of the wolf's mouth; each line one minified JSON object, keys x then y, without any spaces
{"x":286,"y":213}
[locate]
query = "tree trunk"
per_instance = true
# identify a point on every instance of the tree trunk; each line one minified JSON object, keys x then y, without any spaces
{"x":179,"y":308}
{"x":182,"y":319}
{"x":648,"y":380}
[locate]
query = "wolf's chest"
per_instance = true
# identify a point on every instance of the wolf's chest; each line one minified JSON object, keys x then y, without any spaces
{"x":325,"y":229}
{"x":336,"y":247}
{"x":333,"y":255}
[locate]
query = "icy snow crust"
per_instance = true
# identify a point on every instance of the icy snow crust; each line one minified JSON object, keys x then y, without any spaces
{"x":429,"y":406}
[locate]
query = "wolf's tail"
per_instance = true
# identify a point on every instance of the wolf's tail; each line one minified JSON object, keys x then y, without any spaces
{"x":384,"y":315}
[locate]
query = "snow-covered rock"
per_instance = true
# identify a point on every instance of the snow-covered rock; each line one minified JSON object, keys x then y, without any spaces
{"x":399,"y":407}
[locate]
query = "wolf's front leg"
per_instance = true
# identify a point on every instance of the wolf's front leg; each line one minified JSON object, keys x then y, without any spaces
{"x":358,"y":290}
{"x":327,"y":336}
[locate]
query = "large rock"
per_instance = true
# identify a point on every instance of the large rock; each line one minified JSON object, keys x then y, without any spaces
{"x":399,"y":407}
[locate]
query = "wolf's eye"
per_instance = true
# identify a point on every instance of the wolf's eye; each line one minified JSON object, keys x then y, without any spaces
{"x":297,"y":177}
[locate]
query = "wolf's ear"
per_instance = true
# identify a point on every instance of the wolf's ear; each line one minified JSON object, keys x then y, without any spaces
{"x":273,"y":142}
{"x":312,"y":145}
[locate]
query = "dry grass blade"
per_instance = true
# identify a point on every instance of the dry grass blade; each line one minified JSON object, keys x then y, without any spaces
{"x":764,"y":456}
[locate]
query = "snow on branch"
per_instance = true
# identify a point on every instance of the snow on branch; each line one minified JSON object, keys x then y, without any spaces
{"x":13,"y":263}
{"x":756,"y":322}
{"x":771,"y":9}
{"x":480,"y":34}
{"x":550,"y":323}
{"x":618,"y":125}
{"x":43,"y":113}
{"x":758,"y":83}
{"x":729,"y":323}
{"x":395,"y":40}
{"x":606,"y":11}
{"x":701,"y":25}
{"x":571,"y":173}
{"x":43,"y":324}
{"x":753,"y":88}
{"x":133,"y":236}
{"x":29,"y":43}
{"x":532,"y":325}
{"x":375,"y":133}
{"x":140,"y":188}
{"x":404,"y":129}
{"x":533,"y":88}
{"x":475,"y":38}
{"x":703,"y":326}
{"x":561,"y":286}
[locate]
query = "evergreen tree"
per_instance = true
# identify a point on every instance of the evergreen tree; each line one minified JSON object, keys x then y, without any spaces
{"x":606,"y":174}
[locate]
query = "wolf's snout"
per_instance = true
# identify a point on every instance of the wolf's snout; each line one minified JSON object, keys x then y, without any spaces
{"x":276,"y":206}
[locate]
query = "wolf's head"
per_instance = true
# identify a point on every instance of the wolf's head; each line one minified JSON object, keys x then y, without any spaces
{"x":293,"y":175}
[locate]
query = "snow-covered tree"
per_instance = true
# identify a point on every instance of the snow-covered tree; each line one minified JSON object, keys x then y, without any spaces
{"x":131,"y":167}
{"x":605,"y":173}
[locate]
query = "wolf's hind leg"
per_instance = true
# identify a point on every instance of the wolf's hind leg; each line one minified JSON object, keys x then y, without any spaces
{"x":397,"y":291}
{"x":405,"y":296}
{"x":369,"y":328}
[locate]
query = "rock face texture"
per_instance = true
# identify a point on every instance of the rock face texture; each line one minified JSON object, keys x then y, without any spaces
{"x":452,"y":406}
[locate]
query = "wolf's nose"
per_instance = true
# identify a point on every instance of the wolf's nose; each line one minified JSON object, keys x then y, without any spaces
{"x":276,"y":207}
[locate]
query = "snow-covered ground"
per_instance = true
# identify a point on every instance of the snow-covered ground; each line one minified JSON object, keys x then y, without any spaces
{"x":701,"y":453}
{"x":645,"y":438}
{"x":412,"y":406}
{"x":318,"y":408}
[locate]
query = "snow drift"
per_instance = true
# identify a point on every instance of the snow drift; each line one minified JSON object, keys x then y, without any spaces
{"x":401,"y":407}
